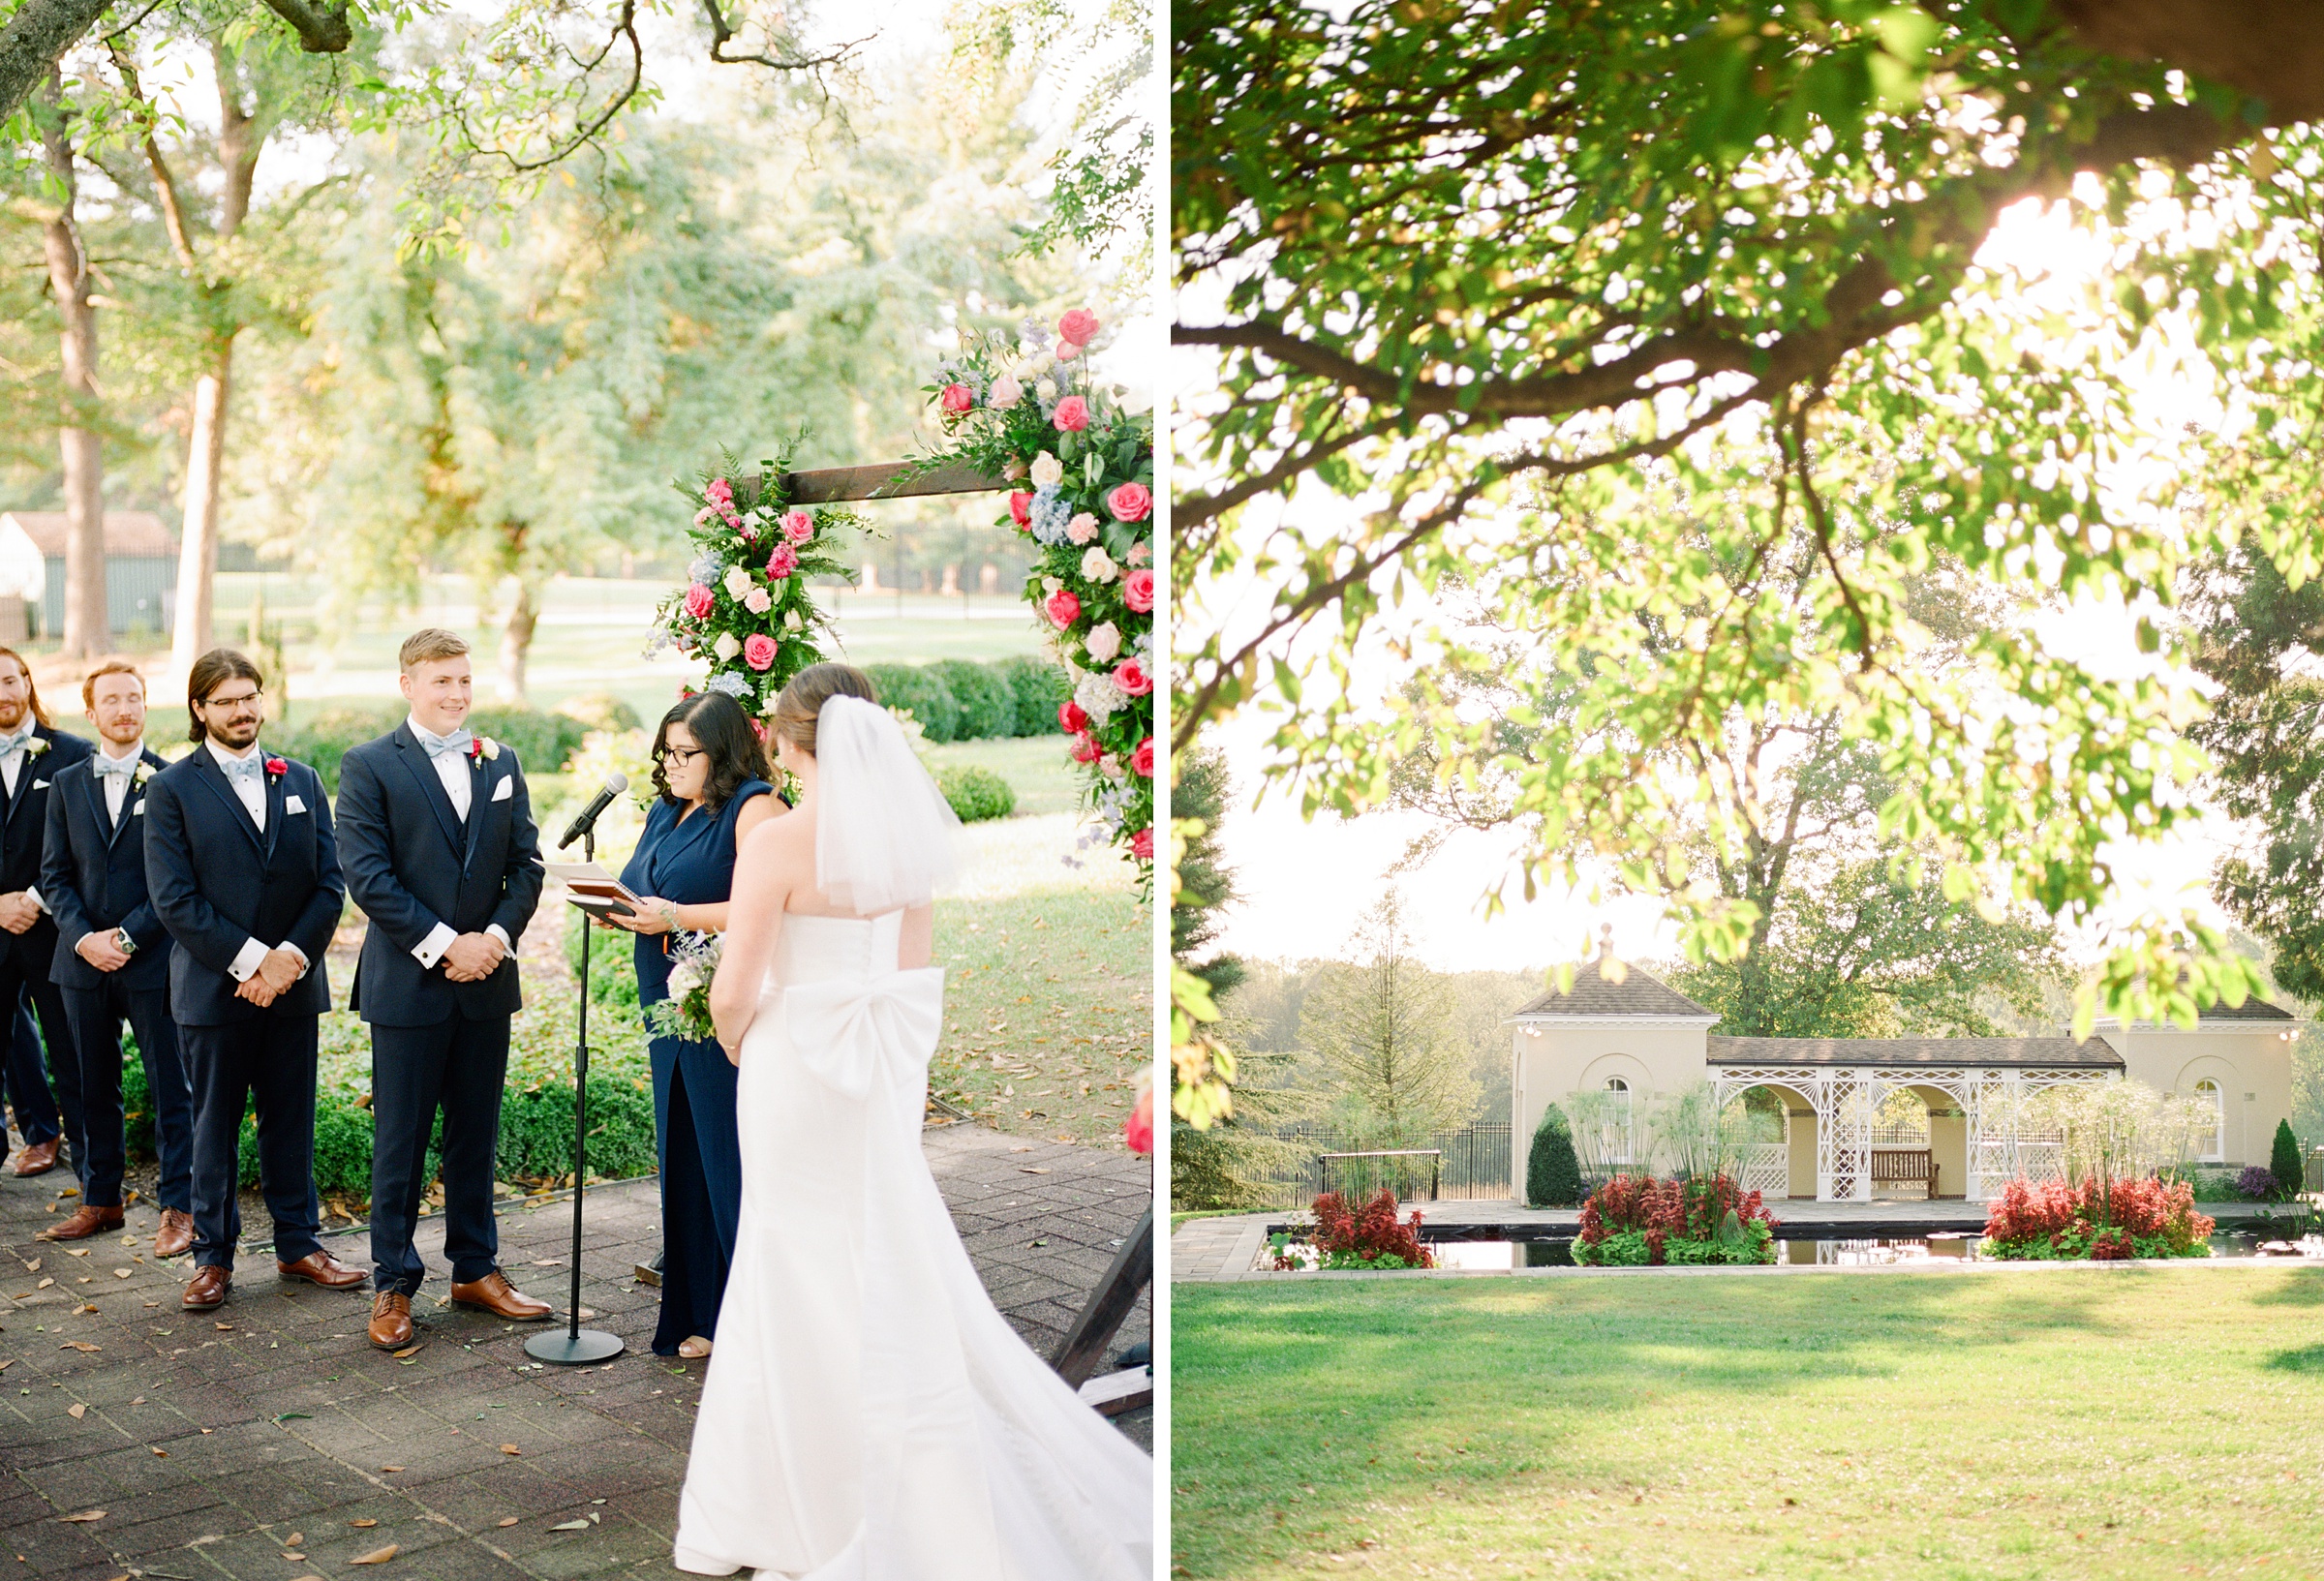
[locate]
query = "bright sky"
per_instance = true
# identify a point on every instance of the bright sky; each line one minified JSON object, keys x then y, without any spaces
{"x":1305,"y":882}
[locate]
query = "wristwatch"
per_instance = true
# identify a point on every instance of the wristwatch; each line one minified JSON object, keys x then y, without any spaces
{"x":123,"y":942}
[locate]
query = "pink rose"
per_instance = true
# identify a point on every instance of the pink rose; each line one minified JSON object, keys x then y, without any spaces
{"x":1085,"y":749}
{"x":1142,"y":761}
{"x":720,"y":493}
{"x":1068,"y":351}
{"x":703,"y":515}
{"x":783,"y":562}
{"x":798,"y":526}
{"x":1063,"y":608}
{"x":1021,"y":508}
{"x":1131,"y":502}
{"x":1131,"y":677}
{"x":1142,"y":845}
{"x":1070,"y":718}
{"x":1138,"y":1131}
{"x":1077,"y":326}
{"x":957,"y":398}
{"x":698,"y":601}
{"x":1072,"y":414}
{"x":1138,"y":591}
{"x":758,"y":651}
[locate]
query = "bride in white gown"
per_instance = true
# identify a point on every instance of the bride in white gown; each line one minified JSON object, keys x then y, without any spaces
{"x":869,"y":1415}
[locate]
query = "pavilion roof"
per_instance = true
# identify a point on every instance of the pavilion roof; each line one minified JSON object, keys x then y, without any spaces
{"x":1640,"y":993}
{"x":1988,"y":1052}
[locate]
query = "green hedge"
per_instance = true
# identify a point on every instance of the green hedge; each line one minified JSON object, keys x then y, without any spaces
{"x":543,"y":742}
{"x":988,"y":708}
{"x":958,"y":699}
{"x":922,"y":691}
{"x":1039,"y":688}
{"x":977,"y":794}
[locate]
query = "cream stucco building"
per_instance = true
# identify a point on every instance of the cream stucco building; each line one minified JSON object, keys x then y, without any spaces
{"x":1638,"y":1036}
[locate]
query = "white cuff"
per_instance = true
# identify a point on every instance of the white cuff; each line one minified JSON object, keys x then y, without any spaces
{"x":34,"y":895}
{"x":501,"y":933}
{"x":245,"y":963}
{"x":303,"y":962}
{"x":429,"y":950}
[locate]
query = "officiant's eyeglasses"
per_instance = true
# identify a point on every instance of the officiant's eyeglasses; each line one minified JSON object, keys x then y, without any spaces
{"x":678,"y":757}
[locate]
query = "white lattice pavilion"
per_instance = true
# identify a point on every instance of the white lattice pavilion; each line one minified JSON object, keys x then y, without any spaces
{"x":1638,"y":1036}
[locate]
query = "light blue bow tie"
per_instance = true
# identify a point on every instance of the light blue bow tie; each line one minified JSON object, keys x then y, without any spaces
{"x":9,"y":743}
{"x":437,"y":745}
{"x":246,"y":768}
{"x":119,"y":768}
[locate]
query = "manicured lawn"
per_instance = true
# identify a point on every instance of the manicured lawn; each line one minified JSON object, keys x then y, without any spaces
{"x":2157,"y":1422}
{"x":1049,"y":1010}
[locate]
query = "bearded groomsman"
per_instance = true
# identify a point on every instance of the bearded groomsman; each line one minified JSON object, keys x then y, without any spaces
{"x":31,"y":752}
{"x":442,"y":858}
{"x":244,"y":874}
{"x":112,"y":962}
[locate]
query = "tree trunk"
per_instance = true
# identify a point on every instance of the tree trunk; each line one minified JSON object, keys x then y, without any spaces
{"x":516,"y":642}
{"x":86,"y":622}
{"x":197,"y":554}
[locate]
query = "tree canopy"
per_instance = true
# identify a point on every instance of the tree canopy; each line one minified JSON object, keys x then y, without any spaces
{"x":1620,"y":301}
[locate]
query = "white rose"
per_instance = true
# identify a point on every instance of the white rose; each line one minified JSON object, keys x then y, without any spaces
{"x":1040,"y":363}
{"x":1109,"y":765}
{"x":1098,"y":566}
{"x":1048,"y":470}
{"x":1136,"y":401}
{"x":1103,"y":642}
{"x":1046,"y":390}
{"x":727,"y":645}
{"x":1006,"y":391}
{"x":738,"y":582}
{"x":758,"y":601}
{"x":1050,"y":584}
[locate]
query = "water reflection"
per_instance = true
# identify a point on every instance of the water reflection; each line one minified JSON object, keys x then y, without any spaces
{"x":1902,"y":1251}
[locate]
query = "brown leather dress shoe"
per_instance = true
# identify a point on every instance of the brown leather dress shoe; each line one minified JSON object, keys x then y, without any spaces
{"x":39,"y":1158}
{"x":208,"y":1290}
{"x":391,"y":1320}
{"x":176,"y":1237}
{"x":322,"y":1268}
{"x":86,"y":1220}
{"x":494,"y":1294}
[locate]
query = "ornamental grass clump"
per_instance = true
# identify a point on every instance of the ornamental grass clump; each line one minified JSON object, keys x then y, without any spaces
{"x":1367,"y":1236}
{"x":1637,"y":1221}
{"x":2074,"y":1221}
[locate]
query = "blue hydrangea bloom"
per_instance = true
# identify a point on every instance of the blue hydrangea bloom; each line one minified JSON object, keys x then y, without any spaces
{"x":728,"y":682}
{"x":1051,"y":513}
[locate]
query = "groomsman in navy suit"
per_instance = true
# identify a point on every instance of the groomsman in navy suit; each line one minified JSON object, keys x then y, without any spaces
{"x":244,"y":874}
{"x":112,"y":961}
{"x":31,"y":752}
{"x":442,"y":858}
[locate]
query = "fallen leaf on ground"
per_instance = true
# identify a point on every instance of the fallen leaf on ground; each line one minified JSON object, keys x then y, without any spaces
{"x":1027,"y":1169}
{"x":405,"y":1351}
{"x":76,"y":1410}
{"x":161,"y":1454}
{"x":77,"y":1251}
{"x":90,"y":1306}
{"x":508,"y":1520}
{"x":34,"y":1266}
{"x":76,"y":1345}
{"x":5,"y":1365}
{"x":123,"y":1273}
{"x":511,"y":1449}
{"x":570,"y":1526}
{"x":365,"y":1521}
{"x":139,"y":1401}
{"x":294,"y":1540}
{"x":294,"y":1558}
{"x":44,"y":1284}
{"x":378,"y":1556}
{"x":82,"y":1515}
{"x":225,"y":1327}
{"x":391,"y":1467}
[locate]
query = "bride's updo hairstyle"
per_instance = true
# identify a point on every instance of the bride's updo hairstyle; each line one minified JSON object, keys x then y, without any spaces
{"x":801,"y":704}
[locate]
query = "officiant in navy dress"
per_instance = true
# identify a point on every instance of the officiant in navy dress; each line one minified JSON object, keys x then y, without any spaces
{"x":243,"y":872}
{"x":32,"y":750}
{"x":112,"y":963}
{"x":711,"y":769}
{"x":442,"y":858}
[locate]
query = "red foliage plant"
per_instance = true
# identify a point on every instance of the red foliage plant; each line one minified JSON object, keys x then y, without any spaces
{"x":1689,"y":1209}
{"x":2027,"y":1215}
{"x":1370,"y":1232}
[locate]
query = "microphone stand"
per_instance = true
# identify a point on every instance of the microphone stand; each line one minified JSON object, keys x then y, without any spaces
{"x":578,"y":1346}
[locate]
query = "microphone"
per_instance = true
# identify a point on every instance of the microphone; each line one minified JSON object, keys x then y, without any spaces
{"x":615,"y":784}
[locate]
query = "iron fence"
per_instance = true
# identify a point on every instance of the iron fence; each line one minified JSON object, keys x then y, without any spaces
{"x":1467,"y":1163}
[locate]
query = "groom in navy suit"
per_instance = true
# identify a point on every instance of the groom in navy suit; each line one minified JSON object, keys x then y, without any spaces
{"x":244,"y":874}
{"x":442,"y":858}
{"x":112,"y":961}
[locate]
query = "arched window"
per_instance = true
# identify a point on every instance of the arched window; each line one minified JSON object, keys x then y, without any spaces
{"x":2214,"y":1145}
{"x":1618,"y":1120}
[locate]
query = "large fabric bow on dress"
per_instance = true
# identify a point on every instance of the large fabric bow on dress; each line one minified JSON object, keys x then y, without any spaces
{"x":846,"y":1029}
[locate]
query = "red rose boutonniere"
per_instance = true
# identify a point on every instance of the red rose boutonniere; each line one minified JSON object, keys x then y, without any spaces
{"x":276,"y":768}
{"x":482,"y":750}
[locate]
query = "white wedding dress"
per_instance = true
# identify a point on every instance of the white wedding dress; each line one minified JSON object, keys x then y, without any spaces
{"x":869,"y":1415}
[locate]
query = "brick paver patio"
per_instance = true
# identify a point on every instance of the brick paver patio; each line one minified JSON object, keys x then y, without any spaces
{"x":270,"y":1440}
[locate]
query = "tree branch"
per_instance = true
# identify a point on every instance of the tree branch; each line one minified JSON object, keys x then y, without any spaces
{"x":35,"y":38}
{"x":321,"y":30}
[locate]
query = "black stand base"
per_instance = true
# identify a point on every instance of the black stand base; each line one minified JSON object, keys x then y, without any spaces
{"x":564,"y":1348}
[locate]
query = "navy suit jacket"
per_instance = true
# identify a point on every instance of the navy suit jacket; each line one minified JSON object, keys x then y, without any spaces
{"x":411,"y":864}
{"x":23,"y":830}
{"x":217,"y":883}
{"x":93,"y":877}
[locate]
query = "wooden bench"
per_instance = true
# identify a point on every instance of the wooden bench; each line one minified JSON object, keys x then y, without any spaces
{"x":1902,"y":1167}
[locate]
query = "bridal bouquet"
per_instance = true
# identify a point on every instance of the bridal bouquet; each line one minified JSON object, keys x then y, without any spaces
{"x":1082,"y":457}
{"x":744,"y":609}
{"x":686,"y":1012}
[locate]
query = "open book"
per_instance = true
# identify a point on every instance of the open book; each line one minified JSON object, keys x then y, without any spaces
{"x":594,"y":890}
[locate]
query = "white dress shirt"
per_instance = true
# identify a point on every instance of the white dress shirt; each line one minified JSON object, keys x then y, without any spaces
{"x":252,"y":795}
{"x":12,"y":768}
{"x":117,"y":786}
{"x":453,"y":772}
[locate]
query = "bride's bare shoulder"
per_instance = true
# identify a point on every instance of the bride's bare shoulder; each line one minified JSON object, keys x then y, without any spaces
{"x":778,"y":837}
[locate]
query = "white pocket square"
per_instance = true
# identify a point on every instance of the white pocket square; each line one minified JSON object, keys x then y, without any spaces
{"x":138,"y":810}
{"x":503,"y":790}
{"x":39,"y":784}
{"x":295,"y":803}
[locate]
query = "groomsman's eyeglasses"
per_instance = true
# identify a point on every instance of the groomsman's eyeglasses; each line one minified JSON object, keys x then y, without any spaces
{"x":678,"y":757}
{"x":234,"y":702}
